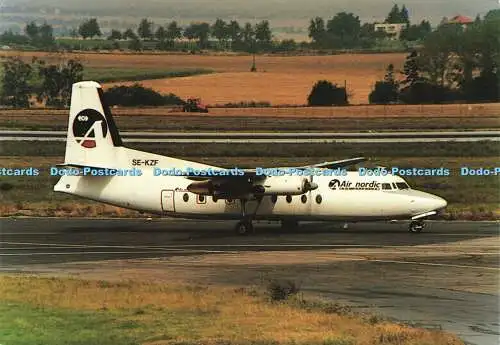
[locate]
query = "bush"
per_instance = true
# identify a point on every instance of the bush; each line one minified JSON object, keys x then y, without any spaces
{"x":324,"y":93}
{"x":384,"y":93}
{"x":426,"y":93}
{"x":281,"y":290}
{"x":6,"y":186}
{"x":137,"y":95}
{"x":484,"y":88}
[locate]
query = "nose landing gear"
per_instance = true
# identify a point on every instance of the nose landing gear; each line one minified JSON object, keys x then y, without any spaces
{"x":416,"y":226}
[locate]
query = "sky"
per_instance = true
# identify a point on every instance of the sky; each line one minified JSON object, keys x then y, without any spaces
{"x":368,"y":10}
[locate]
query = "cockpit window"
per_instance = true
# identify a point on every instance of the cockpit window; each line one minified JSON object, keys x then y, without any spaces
{"x":386,"y":186}
{"x":402,"y":185}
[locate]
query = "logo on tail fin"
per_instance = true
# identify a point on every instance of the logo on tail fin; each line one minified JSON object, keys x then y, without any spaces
{"x":88,"y":125}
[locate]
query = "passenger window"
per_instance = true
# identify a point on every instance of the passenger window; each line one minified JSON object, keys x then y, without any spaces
{"x":274,"y":198}
{"x":386,"y":186}
{"x":394,"y":186}
{"x":288,"y":198}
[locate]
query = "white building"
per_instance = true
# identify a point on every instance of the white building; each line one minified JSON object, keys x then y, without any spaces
{"x":392,"y":30}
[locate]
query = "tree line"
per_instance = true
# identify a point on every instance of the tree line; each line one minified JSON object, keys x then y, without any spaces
{"x":454,"y":64}
{"x":229,"y":34}
{"x":24,"y":83}
{"x":343,"y":31}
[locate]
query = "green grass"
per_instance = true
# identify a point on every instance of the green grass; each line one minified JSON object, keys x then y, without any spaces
{"x":24,"y":324}
{"x":108,"y":75}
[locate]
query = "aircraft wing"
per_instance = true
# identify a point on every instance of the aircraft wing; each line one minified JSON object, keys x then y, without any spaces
{"x":251,"y":174}
{"x":247,"y":181}
{"x":335,"y":164}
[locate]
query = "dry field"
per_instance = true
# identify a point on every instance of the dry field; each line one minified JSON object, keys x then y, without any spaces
{"x":279,"y":80}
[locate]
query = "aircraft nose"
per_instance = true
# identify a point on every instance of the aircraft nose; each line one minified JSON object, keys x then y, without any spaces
{"x":438,"y":203}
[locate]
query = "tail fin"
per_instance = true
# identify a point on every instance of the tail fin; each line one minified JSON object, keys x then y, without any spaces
{"x":92,"y":134}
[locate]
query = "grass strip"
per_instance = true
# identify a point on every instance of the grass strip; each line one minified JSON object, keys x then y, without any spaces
{"x":70,"y":311}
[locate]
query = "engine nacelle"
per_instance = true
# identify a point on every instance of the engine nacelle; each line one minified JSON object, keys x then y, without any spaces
{"x":202,"y":188}
{"x":284,"y":185}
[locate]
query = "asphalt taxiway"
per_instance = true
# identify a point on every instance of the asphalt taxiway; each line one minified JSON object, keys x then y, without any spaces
{"x":446,"y":277}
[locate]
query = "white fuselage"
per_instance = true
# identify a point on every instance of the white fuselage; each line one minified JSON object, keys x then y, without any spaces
{"x":362,"y":199}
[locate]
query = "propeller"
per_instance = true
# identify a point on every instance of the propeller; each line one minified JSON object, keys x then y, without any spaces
{"x":309,"y":185}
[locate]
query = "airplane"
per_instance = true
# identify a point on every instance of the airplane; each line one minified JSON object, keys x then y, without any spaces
{"x":99,"y":167}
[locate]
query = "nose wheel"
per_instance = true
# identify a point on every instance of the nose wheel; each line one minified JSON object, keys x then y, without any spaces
{"x":416,"y":227}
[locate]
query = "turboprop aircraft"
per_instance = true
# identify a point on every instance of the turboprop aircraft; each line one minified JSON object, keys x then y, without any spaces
{"x":98,"y":166}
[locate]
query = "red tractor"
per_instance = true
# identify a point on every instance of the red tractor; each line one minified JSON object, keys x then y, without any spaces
{"x":194,"y":105}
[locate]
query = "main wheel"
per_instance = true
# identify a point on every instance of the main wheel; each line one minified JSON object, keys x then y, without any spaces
{"x":243,"y":228}
{"x":416,"y":227}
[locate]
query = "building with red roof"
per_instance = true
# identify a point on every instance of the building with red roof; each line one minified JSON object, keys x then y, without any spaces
{"x":461,"y":20}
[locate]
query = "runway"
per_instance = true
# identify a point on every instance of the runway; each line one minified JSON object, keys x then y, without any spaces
{"x":269,"y":137}
{"x":445,"y":277}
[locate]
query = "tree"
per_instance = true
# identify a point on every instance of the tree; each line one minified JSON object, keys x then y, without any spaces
{"x":317,"y":30}
{"x":15,"y":82}
{"x":394,"y":16}
{"x":145,"y":29}
{"x":263,"y":32}
{"x":57,"y":82}
{"x":416,"y":32}
{"x":9,"y":37}
{"x":40,"y":36}
{"x":417,"y":88}
{"x":198,"y":31}
{"x":439,"y":53}
{"x":32,"y":31}
{"x":46,"y":33}
{"x":234,"y":31}
{"x":129,"y":34}
{"x":404,"y":16}
{"x":248,"y":34}
{"x":219,"y":30}
{"x":386,"y":91}
{"x":89,"y":28}
{"x":161,"y":34}
{"x":174,"y":31}
{"x":115,"y":35}
{"x":411,"y":70}
{"x":324,"y":93}
{"x":345,"y":27}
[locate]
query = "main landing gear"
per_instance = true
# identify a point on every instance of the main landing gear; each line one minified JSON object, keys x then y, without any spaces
{"x":416,"y":226}
{"x":245,"y":226}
